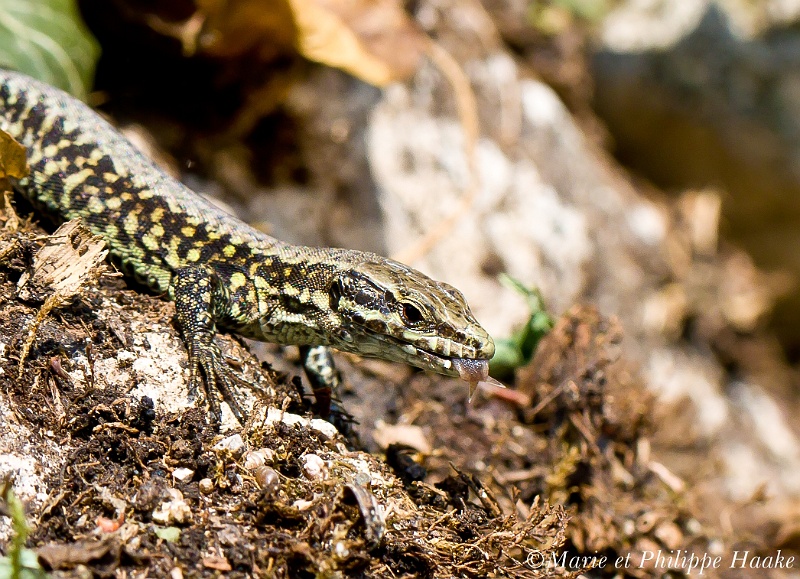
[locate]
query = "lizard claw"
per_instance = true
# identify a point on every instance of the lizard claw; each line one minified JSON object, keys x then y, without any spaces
{"x":206,"y":361}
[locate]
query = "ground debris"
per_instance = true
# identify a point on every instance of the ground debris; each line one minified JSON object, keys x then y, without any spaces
{"x":81,"y":552}
{"x":597,"y":409}
{"x":105,"y":442}
{"x":135,"y":479}
{"x":583,"y":443}
{"x":70,"y":258}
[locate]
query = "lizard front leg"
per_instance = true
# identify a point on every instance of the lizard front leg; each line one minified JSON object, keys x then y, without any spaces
{"x":323,"y":376}
{"x":200,"y":299}
{"x":325,"y":383}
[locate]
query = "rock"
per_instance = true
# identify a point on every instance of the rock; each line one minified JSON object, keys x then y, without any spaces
{"x":705,"y":93}
{"x":183,"y":474}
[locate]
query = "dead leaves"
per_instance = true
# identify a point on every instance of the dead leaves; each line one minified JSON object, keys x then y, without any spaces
{"x":71,"y":258}
{"x":13,"y":158}
{"x":232,"y":28}
{"x":371,"y":39}
{"x":13,"y":165}
{"x":374,"y":40}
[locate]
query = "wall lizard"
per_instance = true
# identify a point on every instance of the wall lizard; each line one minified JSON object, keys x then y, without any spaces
{"x":222,"y":273}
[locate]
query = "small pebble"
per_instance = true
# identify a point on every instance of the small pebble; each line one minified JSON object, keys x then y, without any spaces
{"x":206,"y":486}
{"x":256,"y":458}
{"x":233,"y":444}
{"x":314,"y":467}
{"x":183,"y":474}
{"x":268,"y":479}
{"x":302,"y":504}
{"x":669,"y":534}
{"x":341,"y":550}
{"x":175,"y":510}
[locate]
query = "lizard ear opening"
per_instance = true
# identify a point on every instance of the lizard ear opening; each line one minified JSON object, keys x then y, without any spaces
{"x":335,"y":294}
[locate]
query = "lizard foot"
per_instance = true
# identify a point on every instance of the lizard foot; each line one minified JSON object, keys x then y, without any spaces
{"x":207,"y":361}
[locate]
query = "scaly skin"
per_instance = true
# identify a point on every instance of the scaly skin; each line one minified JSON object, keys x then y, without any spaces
{"x":221,"y":272}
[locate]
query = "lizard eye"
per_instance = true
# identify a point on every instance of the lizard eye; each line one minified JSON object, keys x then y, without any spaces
{"x":411,"y":314}
{"x":335,"y":294}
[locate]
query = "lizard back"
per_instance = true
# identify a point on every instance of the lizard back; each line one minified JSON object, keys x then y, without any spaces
{"x":221,"y":272}
{"x":80,"y":166}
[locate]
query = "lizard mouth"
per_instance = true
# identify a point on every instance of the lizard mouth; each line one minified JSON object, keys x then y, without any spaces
{"x":472,"y":370}
{"x":468,"y":369}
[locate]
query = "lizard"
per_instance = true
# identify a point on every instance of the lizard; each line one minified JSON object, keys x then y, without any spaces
{"x":221,"y":273}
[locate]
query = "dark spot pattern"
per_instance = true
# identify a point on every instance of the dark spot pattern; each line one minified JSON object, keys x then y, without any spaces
{"x":221,"y":272}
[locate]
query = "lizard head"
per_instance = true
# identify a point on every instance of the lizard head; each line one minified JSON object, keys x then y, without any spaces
{"x":394,"y":312}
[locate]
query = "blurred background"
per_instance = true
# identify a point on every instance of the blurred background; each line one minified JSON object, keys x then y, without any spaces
{"x":640,"y":156}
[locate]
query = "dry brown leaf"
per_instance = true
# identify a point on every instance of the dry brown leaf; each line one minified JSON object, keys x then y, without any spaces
{"x":71,"y":258}
{"x":13,"y":158}
{"x":236,"y":27}
{"x":216,"y":563}
{"x":67,"y":556}
{"x":374,"y":40}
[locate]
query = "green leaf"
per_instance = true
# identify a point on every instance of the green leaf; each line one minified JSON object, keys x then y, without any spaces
{"x":169,"y":534}
{"x":21,"y":563}
{"x":590,"y":10}
{"x":47,"y":40}
{"x":507,"y":357}
{"x":29,"y":567}
{"x":517,"y":350}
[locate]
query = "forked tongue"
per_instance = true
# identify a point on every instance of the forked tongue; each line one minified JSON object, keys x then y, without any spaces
{"x":476,"y":373}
